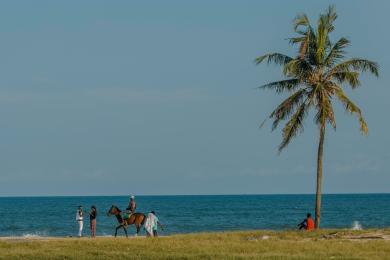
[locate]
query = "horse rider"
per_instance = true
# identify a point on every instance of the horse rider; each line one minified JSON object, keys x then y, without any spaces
{"x":132,"y":206}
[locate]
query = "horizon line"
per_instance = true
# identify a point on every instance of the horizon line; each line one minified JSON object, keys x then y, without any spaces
{"x":183,"y":195}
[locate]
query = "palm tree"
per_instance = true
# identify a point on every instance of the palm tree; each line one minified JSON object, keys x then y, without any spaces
{"x":315,"y":77}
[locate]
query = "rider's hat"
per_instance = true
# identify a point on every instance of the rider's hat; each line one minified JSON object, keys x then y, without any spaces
{"x":132,"y":197}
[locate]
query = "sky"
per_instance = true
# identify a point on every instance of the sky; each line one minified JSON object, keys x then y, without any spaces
{"x":160,"y":98}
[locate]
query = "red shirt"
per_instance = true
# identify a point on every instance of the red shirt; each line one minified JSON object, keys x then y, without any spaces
{"x":309,"y":224}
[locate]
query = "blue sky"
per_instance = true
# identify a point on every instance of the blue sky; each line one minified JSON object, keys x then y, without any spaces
{"x":158,"y":97}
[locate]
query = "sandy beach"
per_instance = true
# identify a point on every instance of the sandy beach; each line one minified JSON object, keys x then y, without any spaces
{"x":372,"y":234}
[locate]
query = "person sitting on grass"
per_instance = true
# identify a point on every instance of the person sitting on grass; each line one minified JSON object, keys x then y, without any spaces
{"x":307,"y":224}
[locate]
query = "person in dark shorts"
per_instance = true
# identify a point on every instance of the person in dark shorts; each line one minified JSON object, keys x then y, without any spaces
{"x":92,"y":221}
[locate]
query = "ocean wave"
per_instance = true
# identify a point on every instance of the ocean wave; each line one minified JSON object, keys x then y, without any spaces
{"x":34,"y":235}
{"x":356,"y":225}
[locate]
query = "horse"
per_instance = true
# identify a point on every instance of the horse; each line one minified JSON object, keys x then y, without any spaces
{"x":138,"y":219}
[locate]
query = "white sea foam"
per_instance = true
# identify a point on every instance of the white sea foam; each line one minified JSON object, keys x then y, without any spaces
{"x":30,"y":236}
{"x":356,"y":225}
{"x":34,"y":235}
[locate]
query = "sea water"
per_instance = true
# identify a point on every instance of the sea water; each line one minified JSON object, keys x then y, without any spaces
{"x":56,"y":216}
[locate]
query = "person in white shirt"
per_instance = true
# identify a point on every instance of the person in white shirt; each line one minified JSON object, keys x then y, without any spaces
{"x":79,"y":219}
{"x":151,"y":224}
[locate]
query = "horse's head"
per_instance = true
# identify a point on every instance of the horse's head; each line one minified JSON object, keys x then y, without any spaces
{"x":114,"y":210}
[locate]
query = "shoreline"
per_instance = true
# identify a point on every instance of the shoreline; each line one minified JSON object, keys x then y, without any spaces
{"x":40,"y":238}
{"x":372,"y":233}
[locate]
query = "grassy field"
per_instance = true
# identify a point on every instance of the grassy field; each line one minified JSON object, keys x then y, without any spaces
{"x":327,"y":244}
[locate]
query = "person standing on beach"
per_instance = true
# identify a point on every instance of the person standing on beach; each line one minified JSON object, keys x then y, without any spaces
{"x":92,"y":221}
{"x":156,"y":224}
{"x":79,"y":219}
{"x":151,"y":225}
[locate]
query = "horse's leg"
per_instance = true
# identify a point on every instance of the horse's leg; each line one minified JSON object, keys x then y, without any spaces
{"x":116,"y":230}
{"x":141,"y":223}
{"x":125,"y":229}
{"x":138,"y":226}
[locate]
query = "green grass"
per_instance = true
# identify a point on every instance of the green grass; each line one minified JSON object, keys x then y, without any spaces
{"x":229,"y":245}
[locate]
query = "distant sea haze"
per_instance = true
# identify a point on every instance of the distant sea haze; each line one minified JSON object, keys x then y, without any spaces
{"x":55,"y":216}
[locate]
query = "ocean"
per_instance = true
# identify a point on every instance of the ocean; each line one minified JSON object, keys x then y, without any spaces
{"x":55,"y":216}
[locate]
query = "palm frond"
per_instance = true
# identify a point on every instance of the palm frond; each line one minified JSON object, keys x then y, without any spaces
{"x":287,"y":107}
{"x":322,"y":36}
{"x":337,"y":52}
{"x":349,"y":77}
{"x":282,"y":85}
{"x":293,"y":126}
{"x":294,"y":40}
{"x":324,"y":27}
{"x":304,"y":46}
{"x":353,"y":109}
{"x":277,"y":58}
{"x":330,"y":113}
{"x":324,"y":109}
{"x":303,"y":27}
{"x":328,"y":18}
{"x":301,"y":20}
{"x":297,"y":68}
{"x":357,"y":64}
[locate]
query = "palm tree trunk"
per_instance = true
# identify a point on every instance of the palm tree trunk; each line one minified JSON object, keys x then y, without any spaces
{"x":319,"y":176}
